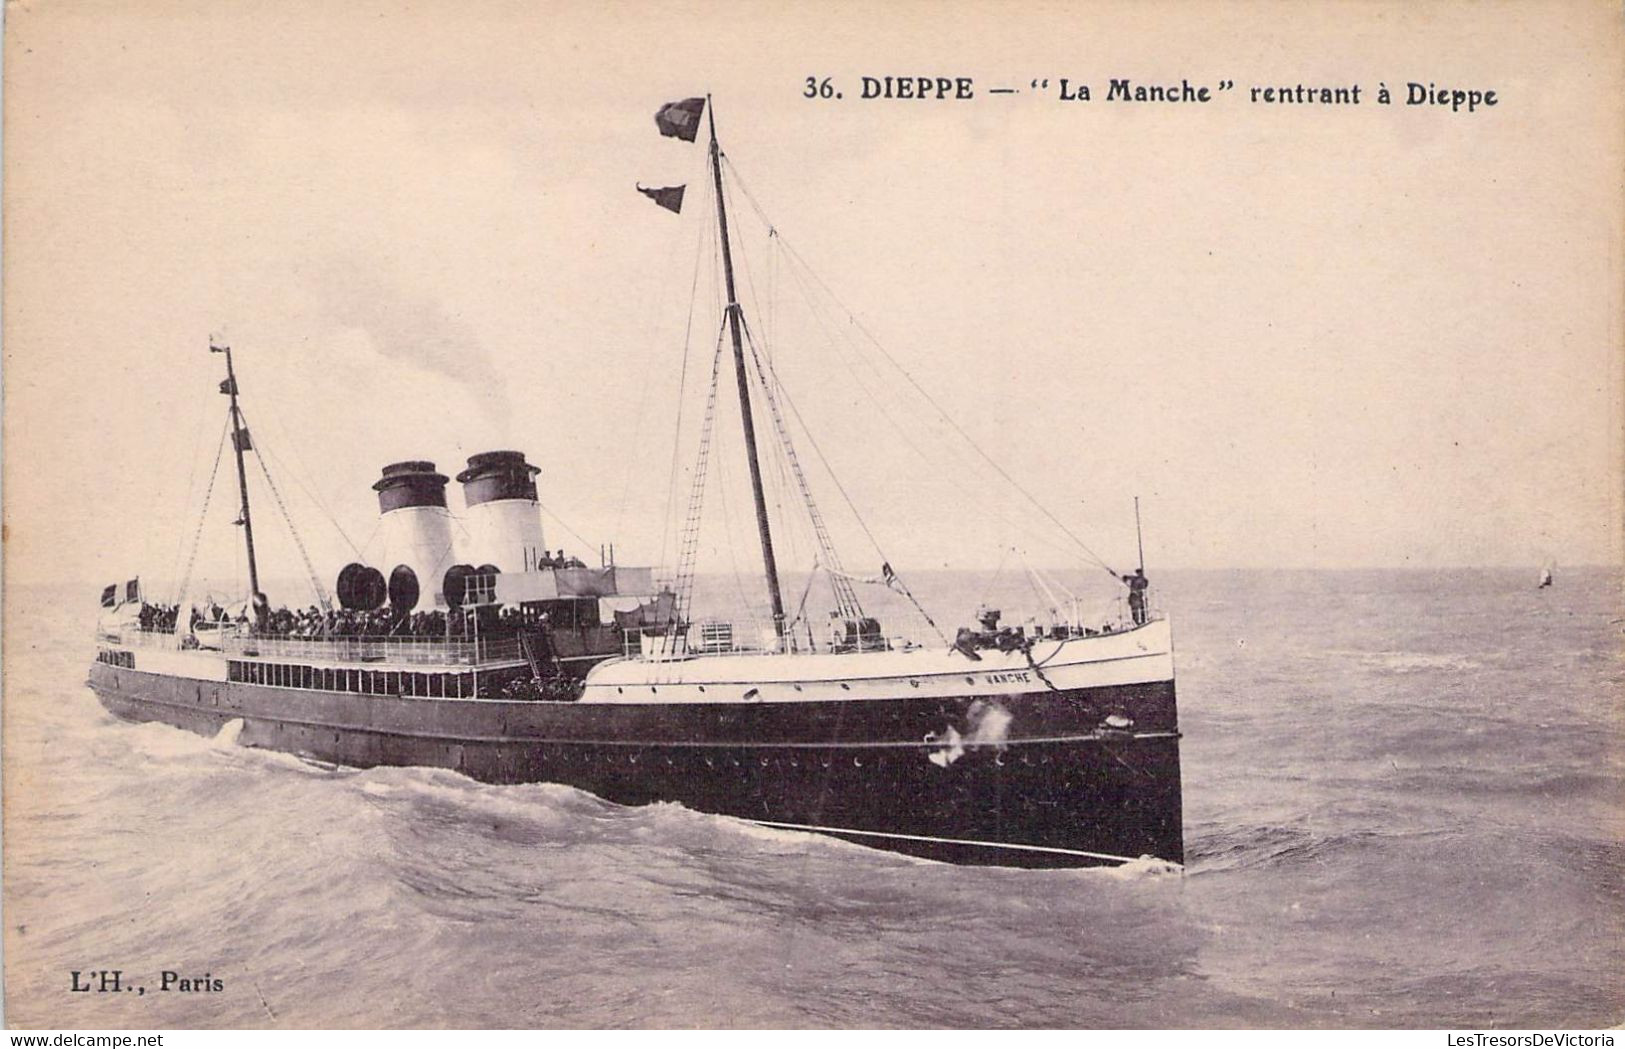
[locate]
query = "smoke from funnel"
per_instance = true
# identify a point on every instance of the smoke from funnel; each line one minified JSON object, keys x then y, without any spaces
{"x":409,"y":326}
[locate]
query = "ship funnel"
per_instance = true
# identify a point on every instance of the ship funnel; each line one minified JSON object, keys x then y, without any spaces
{"x":416,"y":533}
{"x":504,"y":520}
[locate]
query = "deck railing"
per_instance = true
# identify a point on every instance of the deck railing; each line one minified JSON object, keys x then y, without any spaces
{"x":431,"y":651}
{"x":656,"y":645}
{"x":135,"y":637}
{"x":421,"y":651}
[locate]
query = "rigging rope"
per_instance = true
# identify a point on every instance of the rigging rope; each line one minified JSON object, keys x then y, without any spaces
{"x":261,"y":450}
{"x":795,"y":256}
{"x":952,"y":475}
{"x":711,"y":241}
{"x":299,"y":473}
{"x":563,"y":524}
{"x":682,"y":386}
{"x":846,"y":599}
{"x":689,"y":543}
{"x":208,"y":493}
{"x":191,"y":489}
{"x":287,"y":518}
{"x":902,"y":587}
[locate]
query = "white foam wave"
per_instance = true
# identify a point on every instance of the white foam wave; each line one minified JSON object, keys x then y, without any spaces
{"x":1144,"y":867}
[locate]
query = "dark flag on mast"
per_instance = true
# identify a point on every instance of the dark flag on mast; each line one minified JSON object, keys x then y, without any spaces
{"x":228,"y":386}
{"x":680,"y":119}
{"x":668,"y":197}
{"x":242,"y":441}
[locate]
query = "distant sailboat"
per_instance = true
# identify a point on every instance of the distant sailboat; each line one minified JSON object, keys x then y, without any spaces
{"x":1545,"y":575}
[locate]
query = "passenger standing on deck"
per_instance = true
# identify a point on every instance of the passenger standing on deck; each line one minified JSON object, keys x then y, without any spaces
{"x":1137,"y":586}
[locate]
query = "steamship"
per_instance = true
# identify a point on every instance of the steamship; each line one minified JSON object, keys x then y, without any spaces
{"x":1050,"y":744}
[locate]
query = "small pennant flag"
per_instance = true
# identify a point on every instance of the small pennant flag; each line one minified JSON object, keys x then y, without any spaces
{"x":243,"y":443}
{"x":680,"y":119}
{"x":889,"y":577}
{"x":668,"y":197}
{"x":228,"y":387}
{"x":217,"y":343}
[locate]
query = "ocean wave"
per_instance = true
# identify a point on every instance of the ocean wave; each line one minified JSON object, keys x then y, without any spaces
{"x":538,"y":813}
{"x":1242,"y":848}
{"x":1405,"y":662}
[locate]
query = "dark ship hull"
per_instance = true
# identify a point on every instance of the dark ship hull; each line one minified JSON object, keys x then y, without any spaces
{"x":1062,"y":788}
{"x":470,"y":647}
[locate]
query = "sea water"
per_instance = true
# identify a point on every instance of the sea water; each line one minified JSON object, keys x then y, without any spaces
{"x":1404,"y":803}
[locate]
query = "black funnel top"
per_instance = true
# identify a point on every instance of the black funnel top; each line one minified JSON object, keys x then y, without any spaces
{"x":498,"y":475}
{"x":411,"y":483}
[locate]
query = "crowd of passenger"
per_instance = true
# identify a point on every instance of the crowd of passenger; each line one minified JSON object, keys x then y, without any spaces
{"x":315,"y":623}
{"x":160,"y":618}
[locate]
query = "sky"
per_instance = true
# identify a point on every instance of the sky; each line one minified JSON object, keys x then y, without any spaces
{"x":1318,"y":337}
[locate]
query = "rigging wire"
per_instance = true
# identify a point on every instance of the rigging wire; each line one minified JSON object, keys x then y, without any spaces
{"x":846,"y":599}
{"x":302,"y":469}
{"x":750,"y":607}
{"x":711,"y":241}
{"x":813,"y":442}
{"x":796,"y":257}
{"x":988,"y":586}
{"x":562,"y":523}
{"x":655,"y":311}
{"x":191,"y":491}
{"x":839,"y":580}
{"x":197,"y":535}
{"x":287,"y":518}
{"x":682,"y":387}
{"x":953,"y":475}
{"x":782,"y":463}
{"x":689,"y":543}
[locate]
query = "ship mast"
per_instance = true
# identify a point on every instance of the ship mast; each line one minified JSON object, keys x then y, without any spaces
{"x":229,"y":387}
{"x":768,"y":563}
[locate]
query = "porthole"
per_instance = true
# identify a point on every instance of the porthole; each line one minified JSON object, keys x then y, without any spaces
{"x":764,"y":763}
{"x":914,"y":682}
{"x":970,"y":680}
{"x":857,"y":762}
{"x":845,"y":686}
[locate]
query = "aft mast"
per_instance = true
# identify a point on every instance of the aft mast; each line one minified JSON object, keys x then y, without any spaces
{"x":769,"y":564}
{"x":239,"y":439}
